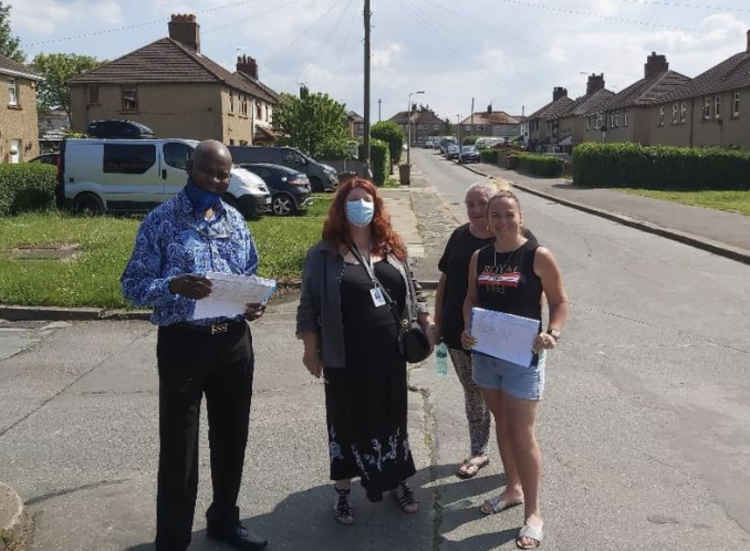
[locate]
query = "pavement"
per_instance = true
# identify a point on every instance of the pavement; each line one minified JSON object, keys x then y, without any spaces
{"x":78,"y":423}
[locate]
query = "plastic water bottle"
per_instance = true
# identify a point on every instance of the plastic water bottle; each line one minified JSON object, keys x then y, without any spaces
{"x":441,"y":359}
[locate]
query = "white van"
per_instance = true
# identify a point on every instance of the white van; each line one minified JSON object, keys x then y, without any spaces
{"x":113,"y":175}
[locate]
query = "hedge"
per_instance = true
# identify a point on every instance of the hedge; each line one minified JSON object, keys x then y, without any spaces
{"x":392,"y":134}
{"x":470,"y":140}
{"x":380,"y":158}
{"x":659,"y":167}
{"x":540,"y":165}
{"x":26,"y":186}
{"x":488,"y":156}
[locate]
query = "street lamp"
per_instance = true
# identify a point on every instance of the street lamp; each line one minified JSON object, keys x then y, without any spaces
{"x":408,"y":127}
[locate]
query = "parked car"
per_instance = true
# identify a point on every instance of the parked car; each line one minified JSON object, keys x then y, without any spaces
{"x":444,"y":143}
{"x":468,"y":154}
{"x":451,"y":151}
{"x":47,"y":159}
{"x":431,"y":142}
{"x":290,"y":189}
{"x":98,"y":176}
{"x":121,"y":129}
{"x":322,"y":177}
{"x":487,"y":142}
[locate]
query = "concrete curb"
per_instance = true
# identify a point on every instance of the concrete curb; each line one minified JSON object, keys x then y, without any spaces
{"x":15,"y":522}
{"x":709,"y":245}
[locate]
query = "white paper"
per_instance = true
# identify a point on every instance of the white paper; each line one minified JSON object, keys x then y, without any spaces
{"x":504,"y":336}
{"x":230,"y":293}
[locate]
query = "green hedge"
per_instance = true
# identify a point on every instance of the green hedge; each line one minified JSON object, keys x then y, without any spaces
{"x":659,"y":167}
{"x":380,"y":158}
{"x":540,"y":165}
{"x":488,"y":156}
{"x":26,"y":186}
{"x":392,"y":134}
{"x":470,"y":140}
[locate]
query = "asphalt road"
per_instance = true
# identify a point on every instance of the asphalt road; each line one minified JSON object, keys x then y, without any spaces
{"x":645,"y":425}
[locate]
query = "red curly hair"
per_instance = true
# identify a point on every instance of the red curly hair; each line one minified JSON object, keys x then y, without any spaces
{"x":336,"y":227}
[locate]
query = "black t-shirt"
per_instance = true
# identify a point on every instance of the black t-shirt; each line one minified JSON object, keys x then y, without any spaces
{"x":455,"y":265}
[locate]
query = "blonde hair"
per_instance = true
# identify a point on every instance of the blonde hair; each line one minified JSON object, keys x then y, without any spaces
{"x":490,"y":187}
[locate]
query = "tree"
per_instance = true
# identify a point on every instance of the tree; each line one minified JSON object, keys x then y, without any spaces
{"x":10,"y":46}
{"x":392,"y":134}
{"x":315,"y":123}
{"x":57,"y":70}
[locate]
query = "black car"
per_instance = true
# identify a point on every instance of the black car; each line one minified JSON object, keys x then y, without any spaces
{"x":468,"y":154}
{"x":121,"y":129}
{"x":47,"y":159}
{"x":290,"y":189}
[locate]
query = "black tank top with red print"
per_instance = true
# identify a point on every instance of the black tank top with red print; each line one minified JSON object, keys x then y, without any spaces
{"x":506,"y":282}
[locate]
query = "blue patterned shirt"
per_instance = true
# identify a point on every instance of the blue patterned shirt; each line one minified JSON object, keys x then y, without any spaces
{"x":175,"y":240}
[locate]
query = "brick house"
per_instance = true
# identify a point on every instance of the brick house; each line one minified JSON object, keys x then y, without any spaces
{"x":491,"y":123}
{"x":424,"y":122}
{"x":170,"y":86}
{"x":355,"y":124}
{"x":19,"y":132}
{"x":576,"y":120}
{"x":544,"y":124}
{"x":626,"y":117}
{"x":713,"y":109}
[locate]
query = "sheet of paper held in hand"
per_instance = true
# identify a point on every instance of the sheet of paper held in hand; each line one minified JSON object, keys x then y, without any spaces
{"x":504,"y":336}
{"x":230,"y":293}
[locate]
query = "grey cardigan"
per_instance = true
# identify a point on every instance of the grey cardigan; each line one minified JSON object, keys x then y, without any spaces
{"x":319,"y":307}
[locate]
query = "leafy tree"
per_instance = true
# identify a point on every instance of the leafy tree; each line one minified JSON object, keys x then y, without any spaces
{"x":57,"y":70}
{"x":10,"y":46}
{"x":392,"y":134}
{"x":315,"y":123}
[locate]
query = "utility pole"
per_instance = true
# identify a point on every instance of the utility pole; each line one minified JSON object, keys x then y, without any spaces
{"x":380,"y":117}
{"x":367,"y":81}
{"x":472,"y":114}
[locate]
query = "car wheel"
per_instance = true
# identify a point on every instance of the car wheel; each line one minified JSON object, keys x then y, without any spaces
{"x":282,"y":205}
{"x":316,"y":184}
{"x":88,"y":204}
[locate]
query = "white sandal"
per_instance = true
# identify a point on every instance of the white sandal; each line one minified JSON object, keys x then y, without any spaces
{"x":532,"y":532}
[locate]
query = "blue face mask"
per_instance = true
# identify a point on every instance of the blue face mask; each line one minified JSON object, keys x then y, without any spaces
{"x":360,"y":213}
{"x":201,"y":199}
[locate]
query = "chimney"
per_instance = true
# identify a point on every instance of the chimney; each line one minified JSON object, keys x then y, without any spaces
{"x":489,"y":109}
{"x":247,"y":65}
{"x":655,"y":64}
{"x":595,"y":83}
{"x":185,"y":30}
{"x":559,"y":92}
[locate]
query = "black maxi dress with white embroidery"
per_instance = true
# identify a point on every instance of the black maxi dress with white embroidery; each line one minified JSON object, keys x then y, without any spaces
{"x":366,"y":401}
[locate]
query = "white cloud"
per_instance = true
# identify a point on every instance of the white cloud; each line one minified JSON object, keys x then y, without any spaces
{"x":46,"y":17}
{"x":383,"y":57}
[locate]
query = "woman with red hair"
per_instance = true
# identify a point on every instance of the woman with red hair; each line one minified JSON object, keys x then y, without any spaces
{"x":353,"y":282}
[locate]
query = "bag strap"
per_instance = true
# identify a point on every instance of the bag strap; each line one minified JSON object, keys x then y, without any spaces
{"x":371,"y":274}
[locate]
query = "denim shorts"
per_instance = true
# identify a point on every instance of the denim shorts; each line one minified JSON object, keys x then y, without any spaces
{"x":525,"y":383}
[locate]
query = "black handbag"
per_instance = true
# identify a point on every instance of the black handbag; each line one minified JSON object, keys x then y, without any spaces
{"x":413,"y":344}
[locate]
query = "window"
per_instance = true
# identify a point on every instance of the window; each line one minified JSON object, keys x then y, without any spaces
{"x":736,"y":105}
{"x":588,"y":123}
{"x":611,"y":121}
{"x":706,"y":108}
{"x":717,"y":107}
{"x":600,"y":121}
{"x":129,"y":97}
{"x":627,"y":119}
{"x":660,"y":118}
{"x":683,"y":112}
{"x":177,"y":154}
{"x":128,"y":159}
{"x":231,"y":101}
{"x":93,"y":94}
{"x":675,"y":113}
{"x":258,"y":111}
{"x":12,"y":92}
{"x":243,"y":105}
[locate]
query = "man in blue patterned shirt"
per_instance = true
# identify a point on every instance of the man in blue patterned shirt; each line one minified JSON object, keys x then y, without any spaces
{"x":177,"y":243}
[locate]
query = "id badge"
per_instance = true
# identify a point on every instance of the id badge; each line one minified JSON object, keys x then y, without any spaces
{"x":377,"y":297}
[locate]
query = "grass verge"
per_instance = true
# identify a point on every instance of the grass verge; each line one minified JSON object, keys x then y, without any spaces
{"x":727,"y":200}
{"x":91,"y":276}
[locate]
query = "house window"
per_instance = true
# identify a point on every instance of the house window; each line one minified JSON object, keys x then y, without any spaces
{"x":600,"y":121}
{"x":588,"y":123}
{"x":12,"y":92}
{"x":717,"y":107}
{"x":258,"y":111}
{"x":93,"y":94}
{"x":736,"y":105}
{"x":231,"y":101}
{"x":706,"y":108}
{"x":611,"y":121}
{"x":627,"y":119}
{"x":683,"y":112}
{"x":675,"y":113}
{"x":660,"y":119}
{"x":129,"y":99}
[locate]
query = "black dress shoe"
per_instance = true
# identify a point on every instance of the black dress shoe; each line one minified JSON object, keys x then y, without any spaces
{"x":236,"y":536}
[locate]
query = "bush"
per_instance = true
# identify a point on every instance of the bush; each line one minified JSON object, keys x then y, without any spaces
{"x":392,"y":134}
{"x":540,"y":165}
{"x":26,"y":186}
{"x":659,"y":167}
{"x":381,"y":161}
{"x":488,"y":156}
{"x":470,"y":140}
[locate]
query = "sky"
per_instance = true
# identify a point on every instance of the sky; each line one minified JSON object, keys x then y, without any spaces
{"x":507,"y":53}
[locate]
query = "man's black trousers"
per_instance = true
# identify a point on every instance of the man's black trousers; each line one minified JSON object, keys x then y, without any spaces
{"x":191,"y":364}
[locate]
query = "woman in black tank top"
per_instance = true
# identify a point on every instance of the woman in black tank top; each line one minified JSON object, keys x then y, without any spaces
{"x":509,"y":276}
